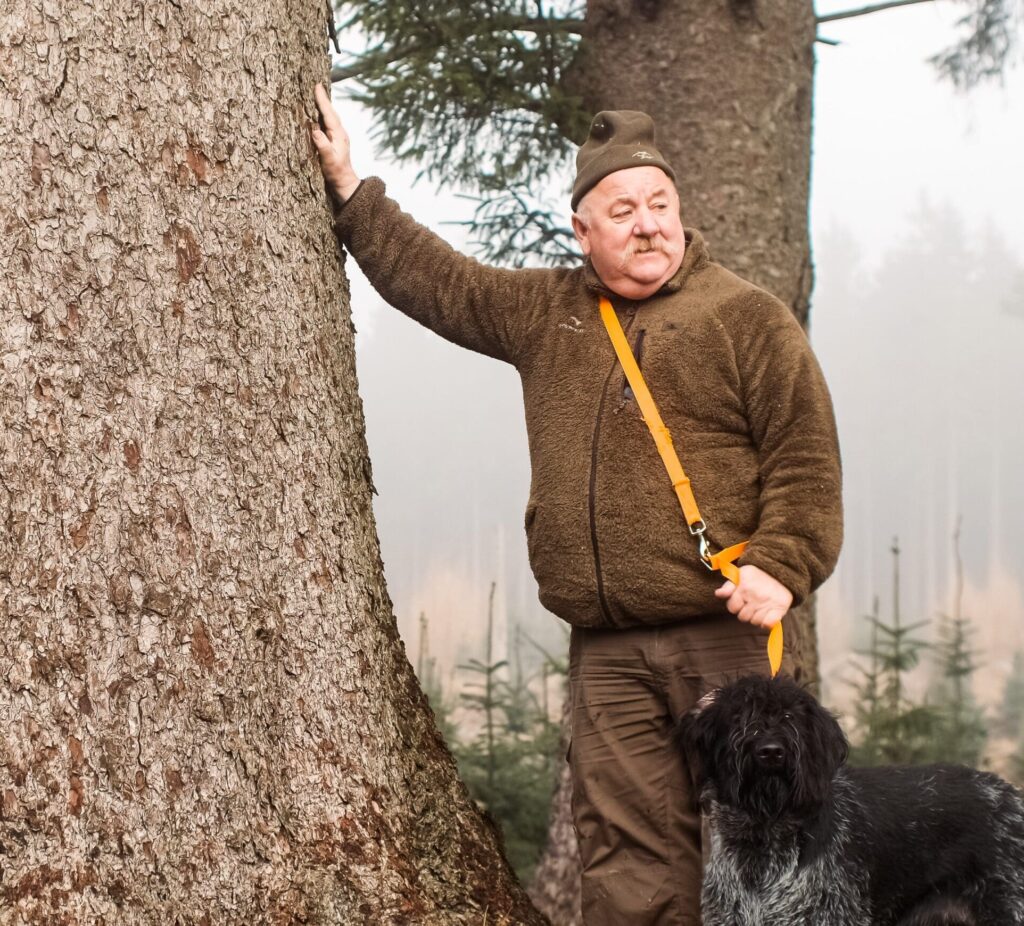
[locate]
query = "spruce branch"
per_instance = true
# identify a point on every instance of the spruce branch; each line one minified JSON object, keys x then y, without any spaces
{"x":474,"y":93}
{"x":986,"y":48}
{"x":510,"y":227}
{"x":865,"y":10}
{"x":369,"y":62}
{"x":982,"y":54}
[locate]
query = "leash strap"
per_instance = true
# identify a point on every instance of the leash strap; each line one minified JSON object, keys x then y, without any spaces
{"x":725,"y":560}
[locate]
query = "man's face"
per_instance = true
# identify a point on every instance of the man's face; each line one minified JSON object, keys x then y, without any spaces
{"x":629,"y":227}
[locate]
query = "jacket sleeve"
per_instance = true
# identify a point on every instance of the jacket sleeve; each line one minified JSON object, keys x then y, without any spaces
{"x":789,"y":410}
{"x":474,"y":305}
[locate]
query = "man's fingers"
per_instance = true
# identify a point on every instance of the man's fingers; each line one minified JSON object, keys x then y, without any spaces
{"x":758,"y":615}
{"x":769,"y":617}
{"x":756,"y":602}
{"x":330,"y":117}
{"x":323,"y":103}
{"x":753,"y":602}
{"x":748,"y":613}
{"x":725,"y":590}
{"x":753,"y":610}
{"x":323,"y":146}
{"x":321,"y":140}
{"x":734,"y":598}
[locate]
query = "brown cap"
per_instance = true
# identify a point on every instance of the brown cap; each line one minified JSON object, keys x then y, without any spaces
{"x":619,"y":138}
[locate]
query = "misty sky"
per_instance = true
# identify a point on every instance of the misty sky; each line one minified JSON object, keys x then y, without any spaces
{"x":918,"y":319}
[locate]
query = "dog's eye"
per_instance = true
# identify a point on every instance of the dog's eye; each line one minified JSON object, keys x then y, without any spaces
{"x":787,"y":716}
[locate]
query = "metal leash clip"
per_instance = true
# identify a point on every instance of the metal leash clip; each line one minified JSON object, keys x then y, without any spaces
{"x":697,"y":529}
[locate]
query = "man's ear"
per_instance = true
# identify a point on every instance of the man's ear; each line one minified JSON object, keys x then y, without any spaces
{"x":582,"y":233}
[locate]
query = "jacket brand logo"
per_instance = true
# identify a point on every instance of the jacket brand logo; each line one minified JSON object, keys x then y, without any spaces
{"x":644,"y":155}
{"x":574,"y":324}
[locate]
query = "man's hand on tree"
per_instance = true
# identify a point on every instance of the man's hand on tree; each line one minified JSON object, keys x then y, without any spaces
{"x":759,"y":600}
{"x":333,"y":147}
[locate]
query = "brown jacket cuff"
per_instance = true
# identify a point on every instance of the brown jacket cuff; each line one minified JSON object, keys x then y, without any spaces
{"x":344,"y":210}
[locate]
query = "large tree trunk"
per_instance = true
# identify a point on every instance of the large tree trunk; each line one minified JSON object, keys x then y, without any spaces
{"x":208,"y":716}
{"x":729,"y":84}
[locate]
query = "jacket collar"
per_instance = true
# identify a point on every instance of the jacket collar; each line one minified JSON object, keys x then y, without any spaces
{"x":695,"y":257}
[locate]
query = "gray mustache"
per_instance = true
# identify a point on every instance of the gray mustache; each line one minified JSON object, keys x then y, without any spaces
{"x":642,"y":246}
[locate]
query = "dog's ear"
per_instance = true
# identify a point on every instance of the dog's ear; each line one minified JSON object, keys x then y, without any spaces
{"x":707,"y":701}
{"x":825,"y":751}
{"x":695,"y":735}
{"x":835,"y":747}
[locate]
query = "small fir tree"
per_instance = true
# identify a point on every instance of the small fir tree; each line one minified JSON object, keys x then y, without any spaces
{"x":868,"y":706}
{"x":962,"y":732}
{"x":1010,"y":719}
{"x":893,"y":729}
{"x":509,"y":766}
{"x":961,"y":724}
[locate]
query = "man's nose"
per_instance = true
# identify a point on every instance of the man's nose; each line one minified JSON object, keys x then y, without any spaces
{"x":645,"y":223}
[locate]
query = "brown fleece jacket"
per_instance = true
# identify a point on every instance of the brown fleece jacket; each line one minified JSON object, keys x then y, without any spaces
{"x":734,"y":379}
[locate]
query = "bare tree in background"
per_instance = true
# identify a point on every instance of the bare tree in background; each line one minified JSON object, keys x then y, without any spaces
{"x":207,"y":714}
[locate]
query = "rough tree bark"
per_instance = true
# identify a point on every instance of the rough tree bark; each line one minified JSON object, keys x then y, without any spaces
{"x":208,"y":715}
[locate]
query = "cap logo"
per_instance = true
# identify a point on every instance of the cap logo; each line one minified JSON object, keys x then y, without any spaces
{"x":644,"y":156}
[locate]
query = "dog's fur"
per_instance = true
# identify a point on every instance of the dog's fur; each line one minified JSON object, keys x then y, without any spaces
{"x":798,"y":838}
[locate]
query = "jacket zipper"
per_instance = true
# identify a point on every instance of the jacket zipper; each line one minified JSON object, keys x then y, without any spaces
{"x":602,"y":599}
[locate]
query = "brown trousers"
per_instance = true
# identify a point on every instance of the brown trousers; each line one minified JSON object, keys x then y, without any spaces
{"x":634,"y":807}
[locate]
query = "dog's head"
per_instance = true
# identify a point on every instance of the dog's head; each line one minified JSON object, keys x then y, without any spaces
{"x":766,"y":745}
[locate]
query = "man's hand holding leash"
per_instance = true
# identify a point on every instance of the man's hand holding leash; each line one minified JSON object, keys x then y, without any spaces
{"x":759,"y":599}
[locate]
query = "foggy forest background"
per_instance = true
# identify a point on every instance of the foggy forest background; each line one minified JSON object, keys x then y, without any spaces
{"x":918,"y":320}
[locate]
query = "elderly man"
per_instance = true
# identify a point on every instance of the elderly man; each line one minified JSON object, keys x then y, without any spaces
{"x":744,"y":399}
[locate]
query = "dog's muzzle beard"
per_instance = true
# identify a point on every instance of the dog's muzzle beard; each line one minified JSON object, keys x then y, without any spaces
{"x":765,"y":781}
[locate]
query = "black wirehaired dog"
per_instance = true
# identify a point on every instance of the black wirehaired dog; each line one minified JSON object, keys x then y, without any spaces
{"x":798,"y":838}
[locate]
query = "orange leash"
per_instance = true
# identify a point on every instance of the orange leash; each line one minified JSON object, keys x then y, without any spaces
{"x":725,"y":560}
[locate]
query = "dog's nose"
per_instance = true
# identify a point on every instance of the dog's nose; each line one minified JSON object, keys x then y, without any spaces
{"x":770,"y":755}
